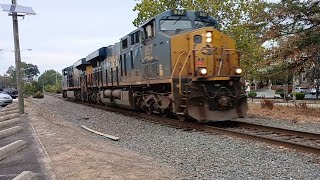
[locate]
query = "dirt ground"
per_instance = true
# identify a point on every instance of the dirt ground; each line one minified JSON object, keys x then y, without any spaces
{"x":74,"y":153}
{"x":297,"y":113}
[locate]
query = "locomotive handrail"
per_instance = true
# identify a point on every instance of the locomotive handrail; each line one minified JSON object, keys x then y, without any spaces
{"x":221,"y":61}
{"x":175,"y":66}
{"x":184,"y":64}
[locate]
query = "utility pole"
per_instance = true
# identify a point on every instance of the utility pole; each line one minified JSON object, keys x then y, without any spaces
{"x":17,"y":59}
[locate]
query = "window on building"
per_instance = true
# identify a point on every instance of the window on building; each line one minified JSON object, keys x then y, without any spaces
{"x":124,"y":43}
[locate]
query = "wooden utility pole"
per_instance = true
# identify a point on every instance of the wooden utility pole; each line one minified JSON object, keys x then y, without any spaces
{"x":17,"y":59}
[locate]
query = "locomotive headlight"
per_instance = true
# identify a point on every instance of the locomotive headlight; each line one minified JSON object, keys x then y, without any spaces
{"x":238,"y":70}
{"x":209,"y":40}
{"x":203,"y":71}
{"x":209,"y":34}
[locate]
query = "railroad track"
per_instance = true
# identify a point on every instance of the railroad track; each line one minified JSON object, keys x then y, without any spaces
{"x":303,"y":141}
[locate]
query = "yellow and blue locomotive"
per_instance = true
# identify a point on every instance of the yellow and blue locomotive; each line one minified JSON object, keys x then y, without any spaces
{"x":178,"y":62}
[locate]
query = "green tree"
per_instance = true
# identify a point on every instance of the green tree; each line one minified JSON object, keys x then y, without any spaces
{"x":50,"y":77}
{"x":5,"y":81}
{"x":11,"y":73}
{"x":51,"y":81}
{"x":27,"y":71}
{"x":243,"y":20}
{"x":294,"y":29}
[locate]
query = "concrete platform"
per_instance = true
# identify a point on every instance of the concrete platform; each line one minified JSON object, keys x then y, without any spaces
{"x":29,"y":158}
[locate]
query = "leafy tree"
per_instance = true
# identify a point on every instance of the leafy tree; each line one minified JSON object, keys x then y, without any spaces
{"x":5,"y":81}
{"x":27,"y":71}
{"x":294,"y":29}
{"x":31,"y":88}
{"x":11,"y":72}
{"x":243,"y":20}
{"x":50,"y":77}
{"x":51,"y":80}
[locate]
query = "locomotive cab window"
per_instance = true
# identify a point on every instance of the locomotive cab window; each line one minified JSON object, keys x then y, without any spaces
{"x":149,"y":30}
{"x":200,"y":24}
{"x":175,"y":24}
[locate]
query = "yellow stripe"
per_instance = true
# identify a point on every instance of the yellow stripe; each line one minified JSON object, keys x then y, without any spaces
{"x":218,"y":78}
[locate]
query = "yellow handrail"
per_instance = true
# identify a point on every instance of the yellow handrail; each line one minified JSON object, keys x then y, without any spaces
{"x":175,"y":66}
{"x":184,"y":64}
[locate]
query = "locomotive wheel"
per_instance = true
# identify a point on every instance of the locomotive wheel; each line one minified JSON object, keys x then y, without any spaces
{"x":149,"y":110}
{"x":182,"y":117}
{"x":165,"y":113}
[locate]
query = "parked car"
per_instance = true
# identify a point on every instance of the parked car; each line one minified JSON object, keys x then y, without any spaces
{"x":303,"y":90}
{"x":10,"y":91}
{"x":5,"y":99}
{"x":314,"y":91}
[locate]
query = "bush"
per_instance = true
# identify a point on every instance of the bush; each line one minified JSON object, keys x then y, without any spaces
{"x":38,"y":95}
{"x":299,"y":95}
{"x":29,"y":89}
{"x":279,"y":91}
{"x":32,"y":88}
{"x":252,"y":94}
{"x":266,"y":103}
{"x":37,"y":86}
{"x":281,"y":94}
{"x":53,"y":88}
{"x":58,"y":90}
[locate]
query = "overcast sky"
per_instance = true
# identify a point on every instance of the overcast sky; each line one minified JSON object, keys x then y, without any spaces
{"x":64,"y":31}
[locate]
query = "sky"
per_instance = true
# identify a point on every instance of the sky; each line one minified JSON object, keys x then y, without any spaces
{"x":64,"y":31}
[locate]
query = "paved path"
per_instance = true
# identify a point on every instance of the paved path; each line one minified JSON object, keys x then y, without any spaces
{"x":28,"y":157}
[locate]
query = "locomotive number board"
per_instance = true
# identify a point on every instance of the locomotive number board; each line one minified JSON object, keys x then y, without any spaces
{"x":202,"y":14}
{"x":178,"y":12}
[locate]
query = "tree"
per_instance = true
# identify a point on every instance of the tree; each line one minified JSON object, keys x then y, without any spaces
{"x":50,"y":77}
{"x":243,"y":20}
{"x":5,"y":81}
{"x":28,"y":71}
{"x":51,"y":81}
{"x":11,"y":72}
{"x":295,"y":30}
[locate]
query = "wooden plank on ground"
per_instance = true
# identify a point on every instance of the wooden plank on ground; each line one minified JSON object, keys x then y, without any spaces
{"x":101,"y":134}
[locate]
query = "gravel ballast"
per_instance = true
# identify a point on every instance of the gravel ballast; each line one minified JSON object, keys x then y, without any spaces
{"x":195,"y":155}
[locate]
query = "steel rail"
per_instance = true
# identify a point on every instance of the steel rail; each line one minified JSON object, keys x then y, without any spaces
{"x":230,"y":128}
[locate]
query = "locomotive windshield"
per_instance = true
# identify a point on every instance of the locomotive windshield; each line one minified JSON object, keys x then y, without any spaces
{"x":171,"y":25}
{"x":200,"y":24}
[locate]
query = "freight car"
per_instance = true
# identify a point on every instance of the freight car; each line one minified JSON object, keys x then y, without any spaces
{"x":178,"y":62}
